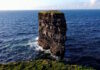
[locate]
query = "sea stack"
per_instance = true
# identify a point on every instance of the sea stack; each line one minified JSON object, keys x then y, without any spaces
{"x":52,"y":32}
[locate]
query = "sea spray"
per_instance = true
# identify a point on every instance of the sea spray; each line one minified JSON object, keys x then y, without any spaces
{"x":41,"y":51}
{"x":34,"y":44}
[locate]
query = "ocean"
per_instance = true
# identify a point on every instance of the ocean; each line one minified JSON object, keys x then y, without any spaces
{"x":19,"y":31}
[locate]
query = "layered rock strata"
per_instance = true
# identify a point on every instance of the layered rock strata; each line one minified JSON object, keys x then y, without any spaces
{"x":52,"y":32}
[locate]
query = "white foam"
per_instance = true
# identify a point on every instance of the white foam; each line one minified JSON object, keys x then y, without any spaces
{"x":31,"y":44}
{"x":39,"y":48}
{"x":36,"y":38}
{"x":35,"y":45}
{"x":56,"y":57}
{"x":47,"y":51}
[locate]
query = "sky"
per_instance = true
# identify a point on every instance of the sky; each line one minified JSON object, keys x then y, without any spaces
{"x":48,"y":4}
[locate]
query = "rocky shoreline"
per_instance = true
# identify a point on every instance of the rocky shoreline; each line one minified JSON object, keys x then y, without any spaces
{"x":52,"y":37}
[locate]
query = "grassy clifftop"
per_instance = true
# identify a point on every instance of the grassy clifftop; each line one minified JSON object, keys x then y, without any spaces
{"x":52,"y":11}
{"x":41,"y":64}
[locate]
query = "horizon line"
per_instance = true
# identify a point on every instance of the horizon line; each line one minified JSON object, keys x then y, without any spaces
{"x":45,"y":9}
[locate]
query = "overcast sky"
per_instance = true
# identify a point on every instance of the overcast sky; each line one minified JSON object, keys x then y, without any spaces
{"x":48,"y":4}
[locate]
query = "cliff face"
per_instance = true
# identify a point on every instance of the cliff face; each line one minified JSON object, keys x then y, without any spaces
{"x":52,"y":32}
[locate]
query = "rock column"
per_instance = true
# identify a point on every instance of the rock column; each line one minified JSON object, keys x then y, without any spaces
{"x":52,"y":32}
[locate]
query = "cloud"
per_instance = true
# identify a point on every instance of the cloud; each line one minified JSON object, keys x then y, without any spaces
{"x":48,"y":4}
{"x":93,"y":2}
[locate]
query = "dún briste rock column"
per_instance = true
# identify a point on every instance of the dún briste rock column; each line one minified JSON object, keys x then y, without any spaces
{"x":52,"y":32}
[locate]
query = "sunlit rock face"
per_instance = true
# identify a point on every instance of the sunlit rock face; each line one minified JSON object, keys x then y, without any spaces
{"x":52,"y":32}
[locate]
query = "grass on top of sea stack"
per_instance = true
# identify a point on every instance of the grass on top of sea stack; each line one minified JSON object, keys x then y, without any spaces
{"x":51,"y":11}
{"x":41,"y":64}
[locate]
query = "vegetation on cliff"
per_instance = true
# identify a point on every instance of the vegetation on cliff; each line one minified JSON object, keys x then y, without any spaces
{"x":41,"y":64}
{"x":52,"y":11}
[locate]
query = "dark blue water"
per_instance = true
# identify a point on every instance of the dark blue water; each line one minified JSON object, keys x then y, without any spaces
{"x":83,"y":37}
{"x":18,"y":30}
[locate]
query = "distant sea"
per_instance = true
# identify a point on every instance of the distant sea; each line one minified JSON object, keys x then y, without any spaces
{"x":19,"y":30}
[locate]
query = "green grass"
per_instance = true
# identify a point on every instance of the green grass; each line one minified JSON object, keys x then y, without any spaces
{"x":52,"y":11}
{"x":41,"y":64}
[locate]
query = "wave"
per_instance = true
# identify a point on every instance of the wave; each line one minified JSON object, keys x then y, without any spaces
{"x":35,"y":44}
{"x":12,"y":51}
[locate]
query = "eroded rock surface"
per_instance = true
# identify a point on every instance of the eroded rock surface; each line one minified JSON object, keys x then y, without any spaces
{"x":52,"y":32}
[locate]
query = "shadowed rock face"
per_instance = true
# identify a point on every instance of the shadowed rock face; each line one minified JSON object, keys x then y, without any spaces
{"x":52,"y":32}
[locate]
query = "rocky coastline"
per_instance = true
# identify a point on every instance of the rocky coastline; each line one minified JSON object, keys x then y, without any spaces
{"x":52,"y":37}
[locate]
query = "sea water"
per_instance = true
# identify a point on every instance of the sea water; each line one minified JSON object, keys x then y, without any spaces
{"x":19,"y":30}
